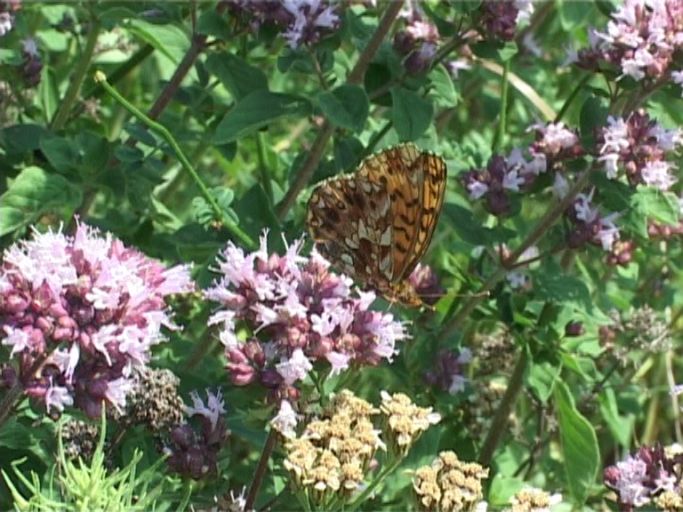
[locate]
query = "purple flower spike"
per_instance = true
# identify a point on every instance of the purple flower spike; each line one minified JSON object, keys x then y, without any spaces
{"x":89,"y":309}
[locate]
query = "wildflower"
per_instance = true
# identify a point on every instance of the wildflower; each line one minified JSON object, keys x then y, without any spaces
{"x":589,"y":226}
{"x":641,"y":477}
{"x":193,"y":453}
{"x":498,"y":19}
{"x":639,"y":146}
{"x":82,"y":312}
{"x":448,"y":372}
{"x":286,"y":420}
{"x":449,"y":484}
{"x":7,"y":10}
{"x":298,"y":313}
{"x":531,"y":499}
{"x":417,"y":41}
{"x":302,"y":22}
{"x":641,"y":39}
{"x":405,"y":421}
{"x":554,"y":141}
{"x":32,"y":64}
{"x":426,"y":284}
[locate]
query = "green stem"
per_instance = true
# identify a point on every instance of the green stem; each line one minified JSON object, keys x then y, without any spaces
{"x":187,"y":494}
{"x":263,"y":168}
{"x":325,"y":132}
{"x":370,"y":488}
{"x":553,"y":213}
{"x":497,"y":428}
{"x":71,"y":95}
{"x":163,"y":132}
{"x":502,"y":120}
{"x":571,"y":97}
{"x":261,"y":468}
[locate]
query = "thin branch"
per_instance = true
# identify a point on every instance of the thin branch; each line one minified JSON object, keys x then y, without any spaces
{"x":326,"y":130}
{"x":260,"y":470}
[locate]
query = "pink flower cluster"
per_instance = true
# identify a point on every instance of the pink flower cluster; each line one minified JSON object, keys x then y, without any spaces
{"x":638,"y":145}
{"x":303,"y":22}
{"x":78,"y":313}
{"x":417,"y":41}
{"x":7,"y":10}
{"x":296,"y":312}
{"x":514,"y":173}
{"x":641,"y":39}
{"x":639,"y":478}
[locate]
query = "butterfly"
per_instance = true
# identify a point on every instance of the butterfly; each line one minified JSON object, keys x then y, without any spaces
{"x":376,"y":223}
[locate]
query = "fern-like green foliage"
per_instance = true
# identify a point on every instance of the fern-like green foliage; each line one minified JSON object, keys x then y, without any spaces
{"x":82,"y":486}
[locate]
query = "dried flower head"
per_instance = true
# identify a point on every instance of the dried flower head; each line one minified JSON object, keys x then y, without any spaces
{"x":531,"y":499}
{"x":297,"y":312}
{"x":79,"y":313}
{"x":404,"y":421}
{"x":79,"y":439}
{"x":154,"y":400}
{"x":449,"y":484}
{"x":334,"y":452}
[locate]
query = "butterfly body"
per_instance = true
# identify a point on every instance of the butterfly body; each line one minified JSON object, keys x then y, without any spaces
{"x":376,"y":223}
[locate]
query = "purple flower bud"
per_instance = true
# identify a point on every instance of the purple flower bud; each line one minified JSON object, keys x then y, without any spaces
{"x":574,"y":328}
{"x":270,"y":378}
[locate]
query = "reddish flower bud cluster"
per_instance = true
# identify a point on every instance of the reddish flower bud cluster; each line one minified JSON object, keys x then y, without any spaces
{"x":499,"y":18}
{"x":296,"y":312}
{"x":32,"y":65}
{"x":194,"y":453}
{"x":79,"y":313}
{"x":447,"y":372}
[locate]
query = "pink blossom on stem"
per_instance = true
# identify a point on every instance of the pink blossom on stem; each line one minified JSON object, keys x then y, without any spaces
{"x":89,"y":308}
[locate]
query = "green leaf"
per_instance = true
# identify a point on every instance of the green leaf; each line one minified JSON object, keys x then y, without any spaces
{"x":167,"y":39}
{"x":581,"y":456}
{"x":236,"y":75}
{"x":542,"y":378}
{"x":255,"y":111}
{"x":554,"y":285}
{"x":87,"y":153}
{"x":21,"y":138}
{"x":593,"y":114}
{"x":203,"y":212}
{"x":410,"y":113}
{"x":444,"y":92}
{"x":33,"y":193}
{"x":346,"y":106}
{"x":620,"y":426}
{"x":654,"y":204}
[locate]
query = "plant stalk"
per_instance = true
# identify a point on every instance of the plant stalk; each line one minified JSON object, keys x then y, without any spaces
{"x":163,"y":132}
{"x":497,"y":428}
{"x":261,"y":469}
{"x":71,"y":95}
{"x":355,"y":76}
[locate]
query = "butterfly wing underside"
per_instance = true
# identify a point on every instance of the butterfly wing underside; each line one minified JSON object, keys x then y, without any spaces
{"x":377,"y":223}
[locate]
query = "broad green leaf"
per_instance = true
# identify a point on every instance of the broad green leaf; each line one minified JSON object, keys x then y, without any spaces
{"x":21,"y":138}
{"x":652,"y":203}
{"x":502,"y":489}
{"x":346,"y":106}
{"x":580,"y":452}
{"x":237,"y":76}
{"x":620,"y":426}
{"x":411,"y":113}
{"x":542,"y":378}
{"x":443,"y":93}
{"x":203,"y":212}
{"x":593,"y":114}
{"x":87,"y":153}
{"x":553,"y":284}
{"x":33,"y":193}
{"x":167,"y":39}
{"x":255,"y":111}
